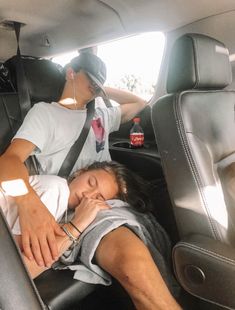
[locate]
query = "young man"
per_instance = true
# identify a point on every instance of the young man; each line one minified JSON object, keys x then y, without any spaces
{"x":48,"y":131}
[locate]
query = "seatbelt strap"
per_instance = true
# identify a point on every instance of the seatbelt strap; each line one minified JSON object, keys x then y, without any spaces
{"x":107,"y":102}
{"x":76,"y":148}
{"x":23,"y":93}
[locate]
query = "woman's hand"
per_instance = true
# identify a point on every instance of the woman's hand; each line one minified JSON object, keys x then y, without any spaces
{"x":86,"y":212}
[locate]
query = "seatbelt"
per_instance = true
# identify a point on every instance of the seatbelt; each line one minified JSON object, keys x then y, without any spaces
{"x":76,"y":148}
{"x":107,"y":102}
{"x":23,"y":93}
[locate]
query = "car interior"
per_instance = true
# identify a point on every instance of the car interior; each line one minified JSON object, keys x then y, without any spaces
{"x":189,"y":130}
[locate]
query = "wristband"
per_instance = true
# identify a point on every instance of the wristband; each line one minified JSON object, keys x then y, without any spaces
{"x":74,"y":226}
{"x":70,"y":235}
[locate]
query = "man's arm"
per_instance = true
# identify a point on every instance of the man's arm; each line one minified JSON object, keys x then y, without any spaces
{"x":122,"y":254}
{"x":84,"y":215}
{"x":130,"y":104}
{"x":38,"y":226}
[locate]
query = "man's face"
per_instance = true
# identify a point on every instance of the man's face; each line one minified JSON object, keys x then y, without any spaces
{"x":85,"y":86}
{"x":95,"y":87}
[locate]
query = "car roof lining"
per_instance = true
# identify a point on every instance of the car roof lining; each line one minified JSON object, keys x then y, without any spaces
{"x":95,"y":21}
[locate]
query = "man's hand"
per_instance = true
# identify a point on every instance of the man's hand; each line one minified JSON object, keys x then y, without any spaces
{"x":38,"y":229}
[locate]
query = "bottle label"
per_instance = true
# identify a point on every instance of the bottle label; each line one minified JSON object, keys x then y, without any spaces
{"x":137,"y":139}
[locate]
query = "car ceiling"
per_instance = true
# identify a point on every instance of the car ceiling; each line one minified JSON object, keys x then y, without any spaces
{"x":55,"y":26}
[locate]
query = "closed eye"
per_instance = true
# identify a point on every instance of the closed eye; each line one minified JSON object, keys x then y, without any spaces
{"x":100,"y":197}
{"x":92,"y":181}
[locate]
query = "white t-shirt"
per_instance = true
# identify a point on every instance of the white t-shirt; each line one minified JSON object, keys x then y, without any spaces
{"x":54,"y":129}
{"x":53,"y":192}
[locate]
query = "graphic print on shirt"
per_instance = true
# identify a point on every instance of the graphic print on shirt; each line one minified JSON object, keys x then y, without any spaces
{"x":99,"y":134}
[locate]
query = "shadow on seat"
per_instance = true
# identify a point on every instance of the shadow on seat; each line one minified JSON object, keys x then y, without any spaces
{"x":195,"y":131}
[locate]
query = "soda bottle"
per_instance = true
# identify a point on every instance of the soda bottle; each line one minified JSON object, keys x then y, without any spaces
{"x":136,"y":134}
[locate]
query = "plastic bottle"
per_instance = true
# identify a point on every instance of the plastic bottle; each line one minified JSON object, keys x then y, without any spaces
{"x":136,"y":134}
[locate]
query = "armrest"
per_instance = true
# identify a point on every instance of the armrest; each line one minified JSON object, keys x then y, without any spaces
{"x":206,"y":268}
{"x":60,"y":291}
{"x":144,"y":161}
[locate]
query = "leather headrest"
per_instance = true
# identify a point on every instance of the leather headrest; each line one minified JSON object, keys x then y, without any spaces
{"x":198,"y":62}
{"x":45,"y":79}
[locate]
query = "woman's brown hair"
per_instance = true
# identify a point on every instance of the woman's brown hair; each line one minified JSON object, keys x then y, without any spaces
{"x":131,"y":188}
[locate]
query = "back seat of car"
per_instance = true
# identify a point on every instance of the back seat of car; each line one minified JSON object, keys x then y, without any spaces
{"x":57,"y":288}
{"x":45,"y":80}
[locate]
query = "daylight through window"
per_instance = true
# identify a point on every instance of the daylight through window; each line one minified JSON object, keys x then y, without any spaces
{"x":132,"y":63}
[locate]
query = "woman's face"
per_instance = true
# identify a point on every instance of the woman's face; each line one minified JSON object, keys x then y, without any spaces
{"x":96,"y":184}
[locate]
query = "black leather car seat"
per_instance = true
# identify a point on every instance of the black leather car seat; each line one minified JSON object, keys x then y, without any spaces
{"x":194,"y":126}
{"x":17,"y":290}
{"x":44,"y":80}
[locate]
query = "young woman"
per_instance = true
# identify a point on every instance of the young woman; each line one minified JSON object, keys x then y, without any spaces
{"x":121,"y":250}
{"x":86,"y":191}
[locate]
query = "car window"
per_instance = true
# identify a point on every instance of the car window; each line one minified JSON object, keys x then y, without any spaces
{"x":133,"y":63}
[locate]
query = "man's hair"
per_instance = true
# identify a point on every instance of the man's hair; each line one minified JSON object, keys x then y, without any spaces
{"x":131,"y":188}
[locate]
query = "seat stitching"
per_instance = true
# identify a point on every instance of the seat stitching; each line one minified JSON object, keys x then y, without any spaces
{"x":209,"y":252}
{"x":196,"y":60}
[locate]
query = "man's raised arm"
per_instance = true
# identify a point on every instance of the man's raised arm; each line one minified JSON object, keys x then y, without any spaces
{"x":130,"y":104}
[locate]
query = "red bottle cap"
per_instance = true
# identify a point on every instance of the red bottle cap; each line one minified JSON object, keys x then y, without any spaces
{"x":136,"y":120}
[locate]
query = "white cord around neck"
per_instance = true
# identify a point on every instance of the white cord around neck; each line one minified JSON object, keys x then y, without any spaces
{"x":74,"y":96}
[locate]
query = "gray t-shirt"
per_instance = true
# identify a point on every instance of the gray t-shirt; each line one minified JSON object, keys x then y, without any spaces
{"x":54,"y":129}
